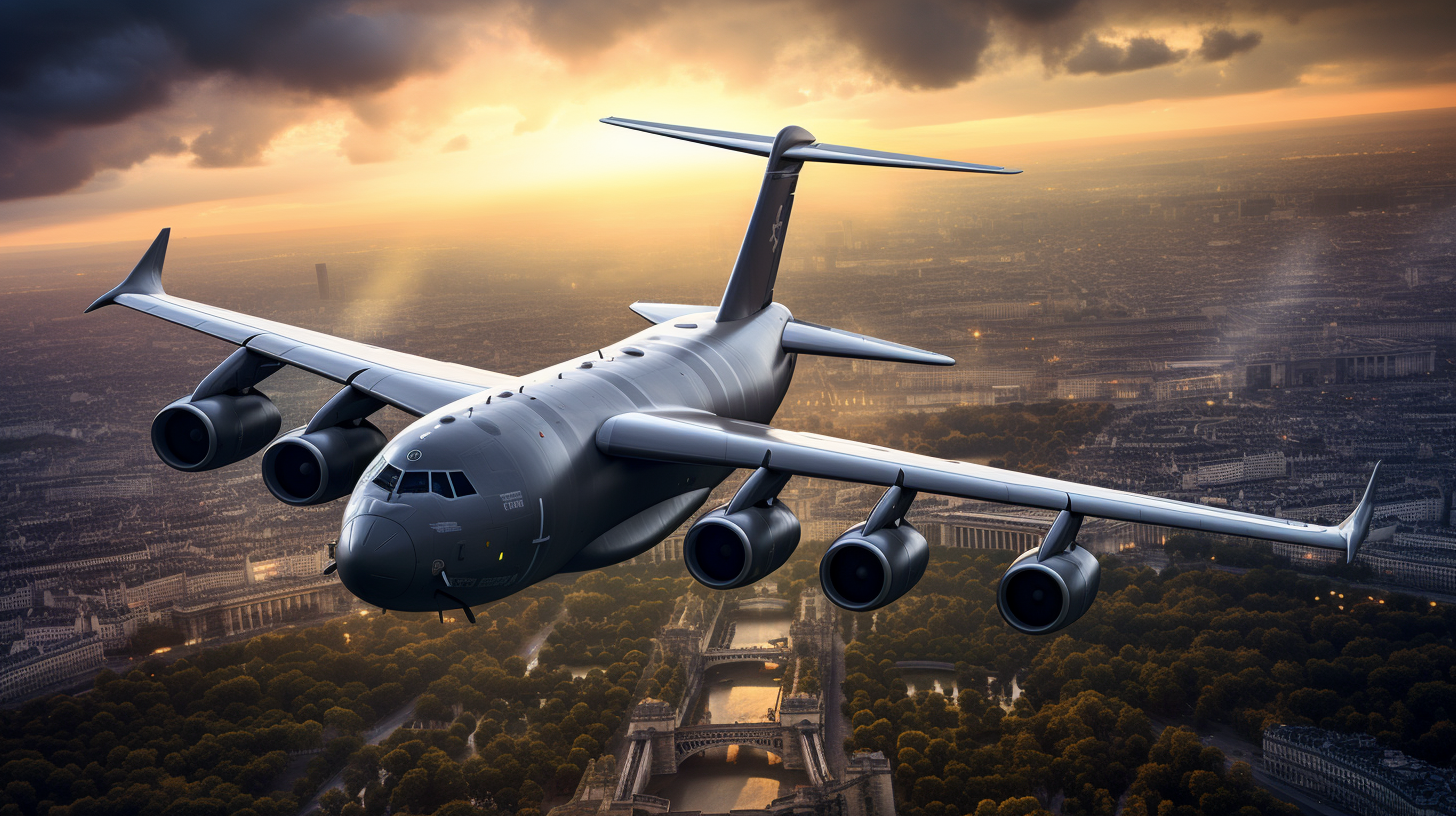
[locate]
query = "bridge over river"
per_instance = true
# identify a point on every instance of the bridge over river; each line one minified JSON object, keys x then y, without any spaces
{"x":740,"y":663}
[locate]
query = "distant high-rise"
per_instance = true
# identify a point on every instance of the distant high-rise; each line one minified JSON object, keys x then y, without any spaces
{"x":323,"y":280}
{"x":849,"y":240}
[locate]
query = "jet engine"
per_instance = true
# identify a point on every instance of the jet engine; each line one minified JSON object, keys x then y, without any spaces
{"x":861,"y":572}
{"x":725,"y":549}
{"x":203,"y":434}
{"x":1052,"y":586}
{"x":313,"y":467}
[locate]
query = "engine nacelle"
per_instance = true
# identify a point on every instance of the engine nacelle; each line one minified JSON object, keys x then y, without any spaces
{"x":194,"y":435}
{"x":726,"y":550}
{"x":1040,"y":597}
{"x":312,"y":468}
{"x":863,"y":572}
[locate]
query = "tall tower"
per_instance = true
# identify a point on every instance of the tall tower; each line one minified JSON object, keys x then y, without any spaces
{"x":323,"y":280}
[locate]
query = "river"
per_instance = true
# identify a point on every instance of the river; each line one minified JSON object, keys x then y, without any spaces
{"x":758,"y":629}
{"x":734,"y":777}
{"x":723,"y":779}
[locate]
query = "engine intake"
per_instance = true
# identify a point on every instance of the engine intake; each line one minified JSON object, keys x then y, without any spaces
{"x":313,"y":468}
{"x":1039,"y":597}
{"x":195,"y":435}
{"x":726,"y":550}
{"x":863,"y":572}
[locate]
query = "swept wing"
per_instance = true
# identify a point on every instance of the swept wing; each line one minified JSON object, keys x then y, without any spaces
{"x":416,"y":385}
{"x":702,"y":438}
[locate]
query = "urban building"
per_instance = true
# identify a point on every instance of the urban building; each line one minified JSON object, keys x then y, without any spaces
{"x":1109,"y":386}
{"x":1329,"y":365}
{"x":1357,"y":774}
{"x":41,"y":665}
{"x":992,"y":531}
{"x":1233,"y":471}
{"x":1184,"y":386}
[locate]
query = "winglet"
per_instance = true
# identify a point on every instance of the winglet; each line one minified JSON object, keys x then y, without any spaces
{"x":1357,"y":525}
{"x":145,"y":279}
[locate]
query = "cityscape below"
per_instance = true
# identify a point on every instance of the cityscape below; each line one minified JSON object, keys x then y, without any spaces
{"x":1250,"y":320}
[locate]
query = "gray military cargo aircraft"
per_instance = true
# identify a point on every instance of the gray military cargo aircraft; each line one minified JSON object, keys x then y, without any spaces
{"x":504,"y":480}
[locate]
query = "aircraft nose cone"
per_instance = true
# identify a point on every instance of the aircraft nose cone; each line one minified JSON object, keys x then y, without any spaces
{"x":376,"y":558}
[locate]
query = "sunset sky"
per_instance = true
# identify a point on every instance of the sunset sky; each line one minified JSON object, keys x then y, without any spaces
{"x":241,"y":116}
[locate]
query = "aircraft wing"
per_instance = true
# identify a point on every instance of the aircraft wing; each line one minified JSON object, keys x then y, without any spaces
{"x":416,"y":385}
{"x":702,"y":438}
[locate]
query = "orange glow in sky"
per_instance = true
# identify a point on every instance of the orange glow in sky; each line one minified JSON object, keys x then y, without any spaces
{"x":502,"y":124}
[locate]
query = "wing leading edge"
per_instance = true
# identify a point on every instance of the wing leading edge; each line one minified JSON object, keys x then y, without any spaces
{"x":416,"y":385}
{"x":702,"y":438}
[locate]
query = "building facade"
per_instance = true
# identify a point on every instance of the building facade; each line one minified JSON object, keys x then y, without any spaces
{"x":1357,"y":774}
{"x":47,"y":664}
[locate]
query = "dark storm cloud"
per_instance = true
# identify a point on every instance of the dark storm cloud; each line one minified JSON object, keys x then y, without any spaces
{"x":1039,"y":11}
{"x":916,"y":43}
{"x":577,"y":27}
{"x":91,"y":85}
{"x":67,"y":66}
{"x":1097,"y":56}
{"x":29,"y":168}
{"x":1221,"y":43}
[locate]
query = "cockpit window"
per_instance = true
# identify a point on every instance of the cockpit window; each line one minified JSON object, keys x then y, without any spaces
{"x":447,"y":484}
{"x":463,"y":487}
{"x":416,"y":481}
{"x":388,"y":478}
{"x":440,"y":484}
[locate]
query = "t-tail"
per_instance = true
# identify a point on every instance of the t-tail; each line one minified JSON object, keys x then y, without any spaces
{"x":751,"y":286}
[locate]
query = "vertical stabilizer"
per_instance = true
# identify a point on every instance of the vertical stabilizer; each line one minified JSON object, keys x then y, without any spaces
{"x":750,"y":288}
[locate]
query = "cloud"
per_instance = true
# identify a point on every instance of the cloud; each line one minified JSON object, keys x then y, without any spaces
{"x":916,"y":43}
{"x":1040,"y":11}
{"x":457,"y":144}
{"x":240,"y":130}
{"x":88,"y":86}
{"x":1221,"y":43}
{"x":69,"y":67}
{"x":578,"y":28}
{"x":69,"y":160}
{"x":1097,"y":56}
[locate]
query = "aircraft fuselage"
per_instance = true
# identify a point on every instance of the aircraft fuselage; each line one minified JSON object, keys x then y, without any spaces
{"x":545,"y":499}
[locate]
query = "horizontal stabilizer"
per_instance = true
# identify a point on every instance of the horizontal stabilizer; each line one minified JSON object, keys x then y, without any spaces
{"x":663,"y":312}
{"x":837,"y":154}
{"x":742,"y":142}
{"x":808,"y":338}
